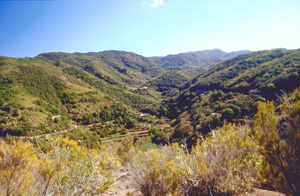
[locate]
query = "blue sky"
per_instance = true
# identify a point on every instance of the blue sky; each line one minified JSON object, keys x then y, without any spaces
{"x":147,"y":27}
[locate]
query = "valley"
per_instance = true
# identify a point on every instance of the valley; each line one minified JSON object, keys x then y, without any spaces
{"x":166,"y":111}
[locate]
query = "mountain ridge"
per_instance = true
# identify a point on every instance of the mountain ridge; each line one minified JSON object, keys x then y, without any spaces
{"x":188,"y":60}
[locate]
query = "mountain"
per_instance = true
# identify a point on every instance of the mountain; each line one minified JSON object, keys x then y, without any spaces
{"x":220,"y":53}
{"x":206,"y":58}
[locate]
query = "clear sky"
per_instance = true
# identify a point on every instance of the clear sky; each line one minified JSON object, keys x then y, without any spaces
{"x":147,"y":27}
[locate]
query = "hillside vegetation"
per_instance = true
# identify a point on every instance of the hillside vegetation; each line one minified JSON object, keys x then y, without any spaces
{"x":48,"y":92}
{"x":262,"y":72}
{"x":185,"y":66}
{"x":170,"y":81}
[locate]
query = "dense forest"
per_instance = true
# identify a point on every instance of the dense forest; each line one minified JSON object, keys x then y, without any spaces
{"x":197,"y":123}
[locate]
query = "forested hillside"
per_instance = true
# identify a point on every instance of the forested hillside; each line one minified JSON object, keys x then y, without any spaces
{"x":185,"y":66}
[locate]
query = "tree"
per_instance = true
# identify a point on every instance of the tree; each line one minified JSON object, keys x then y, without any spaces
{"x":131,"y":122}
{"x":236,"y":109}
{"x":215,"y":121}
{"x":227,"y":114}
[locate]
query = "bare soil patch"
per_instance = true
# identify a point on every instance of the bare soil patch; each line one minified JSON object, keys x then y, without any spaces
{"x":124,"y":184}
{"x":260,"y":192}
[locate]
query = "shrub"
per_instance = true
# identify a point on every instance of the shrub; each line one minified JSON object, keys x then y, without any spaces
{"x":155,"y":170}
{"x":227,"y":163}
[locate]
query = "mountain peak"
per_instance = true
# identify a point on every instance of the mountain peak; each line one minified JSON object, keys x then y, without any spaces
{"x":188,"y":60}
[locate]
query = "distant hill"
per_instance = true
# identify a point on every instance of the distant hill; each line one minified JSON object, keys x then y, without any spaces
{"x":112,"y":66}
{"x":189,"y":60}
{"x":220,"y":53}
